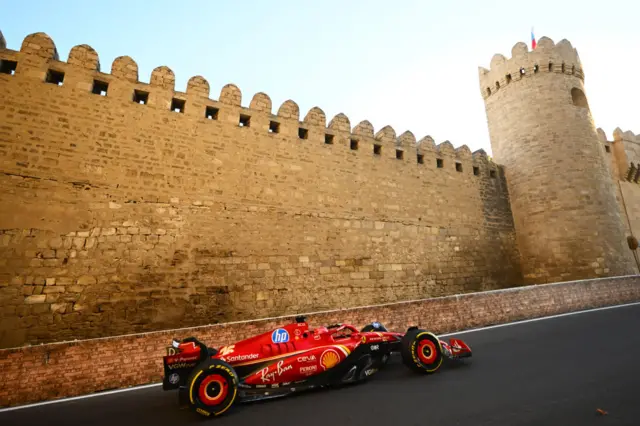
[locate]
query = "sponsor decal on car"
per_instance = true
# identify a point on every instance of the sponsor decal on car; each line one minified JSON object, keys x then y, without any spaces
{"x":375,"y":347}
{"x":174,"y":378}
{"x":245,"y":357}
{"x":181,"y":365}
{"x":329,"y":358}
{"x":310,"y":369}
{"x":226,"y":350}
{"x":374,"y":338}
{"x":267,"y":376}
{"x":370,"y":371}
{"x":203,"y":412}
{"x":280,"y":336}
{"x":307,"y":358}
{"x":183,"y":359}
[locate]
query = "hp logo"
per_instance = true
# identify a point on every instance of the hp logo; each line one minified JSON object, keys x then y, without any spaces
{"x":280,"y":336}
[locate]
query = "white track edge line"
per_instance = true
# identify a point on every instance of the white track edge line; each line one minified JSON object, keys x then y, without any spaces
{"x":566,"y":314}
{"x":73,"y":398}
{"x":473,"y":330}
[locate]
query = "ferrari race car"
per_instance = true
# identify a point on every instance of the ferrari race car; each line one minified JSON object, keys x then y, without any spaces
{"x":293,"y":358}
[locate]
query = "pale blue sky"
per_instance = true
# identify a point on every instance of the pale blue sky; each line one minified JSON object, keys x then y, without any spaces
{"x":406,"y":63}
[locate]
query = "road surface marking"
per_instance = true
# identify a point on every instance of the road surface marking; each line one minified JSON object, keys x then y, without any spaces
{"x":489,"y":327}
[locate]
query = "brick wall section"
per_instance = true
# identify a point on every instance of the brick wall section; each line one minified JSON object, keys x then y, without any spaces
{"x":117,"y":217}
{"x":66,"y":369}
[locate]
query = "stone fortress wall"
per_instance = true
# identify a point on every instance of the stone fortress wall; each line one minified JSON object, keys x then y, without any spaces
{"x":128,"y":206}
{"x":568,"y":222}
{"x":624,"y":165}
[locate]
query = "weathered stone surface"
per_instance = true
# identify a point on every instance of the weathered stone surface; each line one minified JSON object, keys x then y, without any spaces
{"x":86,"y":280}
{"x":562,"y":192}
{"x":149,"y":219}
{"x":58,"y":308}
{"x":39,"y":298}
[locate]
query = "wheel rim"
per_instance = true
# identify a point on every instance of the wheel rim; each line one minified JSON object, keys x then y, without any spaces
{"x":427,"y":351}
{"x":213,"y":390}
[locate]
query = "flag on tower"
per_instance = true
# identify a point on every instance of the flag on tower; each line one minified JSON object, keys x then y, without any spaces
{"x":533,"y":40}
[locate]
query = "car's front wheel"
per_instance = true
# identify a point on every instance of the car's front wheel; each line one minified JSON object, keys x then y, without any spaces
{"x":421,"y":351}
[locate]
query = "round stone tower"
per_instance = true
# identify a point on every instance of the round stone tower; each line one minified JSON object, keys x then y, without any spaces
{"x":567,"y":220}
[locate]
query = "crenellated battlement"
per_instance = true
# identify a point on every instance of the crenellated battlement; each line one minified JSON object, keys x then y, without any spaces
{"x":618,"y":135}
{"x":629,"y":136}
{"x":547,"y":57}
{"x":130,"y":205}
{"x":625,"y":147}
{"x":83,"y":69}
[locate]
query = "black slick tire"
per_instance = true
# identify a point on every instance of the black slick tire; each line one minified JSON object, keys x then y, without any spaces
{"x":421,"y":351}
{"x":212,"y":387}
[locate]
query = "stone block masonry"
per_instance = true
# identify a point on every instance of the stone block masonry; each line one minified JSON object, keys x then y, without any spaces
{"x":65,"y":369}
{"x":129,"y":207}
{"x":568,"y":222}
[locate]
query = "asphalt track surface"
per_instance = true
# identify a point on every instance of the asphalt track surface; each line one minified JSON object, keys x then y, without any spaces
{"x":558,"y":371}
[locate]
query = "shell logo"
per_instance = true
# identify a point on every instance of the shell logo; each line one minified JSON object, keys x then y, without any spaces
{"x":329,"y":358}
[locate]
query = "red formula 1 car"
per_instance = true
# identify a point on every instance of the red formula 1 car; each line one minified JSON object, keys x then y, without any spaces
{"x":293,"y":358}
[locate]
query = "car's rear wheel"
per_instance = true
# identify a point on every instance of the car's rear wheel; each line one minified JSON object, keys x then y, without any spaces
{"x":212,"y":387}
{"x":421,"y":351}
